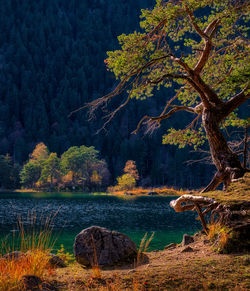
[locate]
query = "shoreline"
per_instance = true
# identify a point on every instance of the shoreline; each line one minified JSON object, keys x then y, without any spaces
{"x":137,"y":192}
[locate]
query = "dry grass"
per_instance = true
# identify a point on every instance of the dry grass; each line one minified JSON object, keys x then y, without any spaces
{"x":237,"y":193}
{"x":144,"y":191}
{"x":219,"y":234}
{"x":143,"y":248}
{"x":202,"y":269}
{"x":34,"y":244}
{"x":12,"y":270}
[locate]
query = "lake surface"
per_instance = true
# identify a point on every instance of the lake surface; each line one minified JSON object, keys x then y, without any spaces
{"x":77,"y":211}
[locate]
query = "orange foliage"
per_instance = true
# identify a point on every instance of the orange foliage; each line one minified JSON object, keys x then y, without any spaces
{"x":96,"y":178}
{"x":68,"y":177}
{"x":11,"y":270}
{"x":144,"y":191}
{"x":130,"y":168}
{"x":40,"y":152}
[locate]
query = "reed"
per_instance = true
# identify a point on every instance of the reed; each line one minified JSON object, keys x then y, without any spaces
{"x":34,"y":243}
{"x":144,"y":244}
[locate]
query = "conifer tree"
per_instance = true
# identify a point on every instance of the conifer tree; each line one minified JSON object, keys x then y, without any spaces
{"x":199,"y":48}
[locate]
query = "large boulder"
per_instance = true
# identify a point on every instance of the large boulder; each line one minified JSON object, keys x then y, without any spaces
{"x":99,"y":246}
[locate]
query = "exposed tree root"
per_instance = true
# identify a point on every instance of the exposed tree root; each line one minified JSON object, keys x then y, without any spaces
{"x":227,"y":176}
{"x":223,"y":214}
{"x":190,"y":202}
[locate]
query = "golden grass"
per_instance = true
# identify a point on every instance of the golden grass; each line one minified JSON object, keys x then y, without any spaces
{"x":220,"y":235}
{"x":34,"y":245}
{"x":237,"y":192}
{"x":144,"y":191}
{"x":11,"y":270}
{"x":144,"y":244}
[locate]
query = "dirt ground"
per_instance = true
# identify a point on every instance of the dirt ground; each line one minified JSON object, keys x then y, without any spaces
{"x":199,"y":268}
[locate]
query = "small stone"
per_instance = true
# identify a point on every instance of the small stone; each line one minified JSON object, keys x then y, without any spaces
{"x":187,"y":239}
{"x":56,"y":261}
{"x":187,"y":250}
{"x":131,"y":271}
{"x":13,"y":255}
{"x":152,"y":193}
{"x":31,"y":282}
{"x":48,"y":287}
{"x":170,"y":246}
{"x":246,"y":261}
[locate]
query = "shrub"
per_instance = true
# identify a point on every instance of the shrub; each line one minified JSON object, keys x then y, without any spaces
{"x":126,"y":182}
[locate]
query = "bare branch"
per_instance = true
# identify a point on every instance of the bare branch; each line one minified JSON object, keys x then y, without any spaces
{"x":172,"y":76}
{"x":111,"y":115}
{"x":191,"y":125}
{"x":158,"y":119}
{"x":205,"y":160}
{"x":121,"y":87}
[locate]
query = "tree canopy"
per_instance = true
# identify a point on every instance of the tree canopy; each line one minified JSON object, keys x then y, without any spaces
{"x":77,"y":168}
{"x":200,"y":48}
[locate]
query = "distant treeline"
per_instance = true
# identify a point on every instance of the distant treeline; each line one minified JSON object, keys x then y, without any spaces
{"x":77,"y":169}
{"x":51,"y":63}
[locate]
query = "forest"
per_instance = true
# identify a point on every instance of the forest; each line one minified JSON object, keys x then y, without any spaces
{"x":51,"y":63}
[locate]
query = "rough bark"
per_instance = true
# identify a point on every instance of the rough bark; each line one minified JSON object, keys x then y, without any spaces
{"x":226,"y":161}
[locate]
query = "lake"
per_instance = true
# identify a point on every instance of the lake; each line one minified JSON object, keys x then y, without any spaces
{"x":77,"y":211}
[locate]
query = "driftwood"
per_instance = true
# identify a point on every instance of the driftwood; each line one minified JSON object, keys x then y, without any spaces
{"x":190,"y":202}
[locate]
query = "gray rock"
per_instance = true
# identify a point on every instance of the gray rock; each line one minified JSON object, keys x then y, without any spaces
{"x":187,"y":250}
{"x":13,"y":255}
{"x":31,"y":282}
{"x":187,"y":239}
{"x":170,"y":246}
{"x":56,"y":261}
{"x":48,"y":287}
{"x":152,"y":193}
{"x":97,"y":245}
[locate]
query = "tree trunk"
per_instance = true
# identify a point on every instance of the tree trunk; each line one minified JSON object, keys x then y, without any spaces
{"x":226,"y":161}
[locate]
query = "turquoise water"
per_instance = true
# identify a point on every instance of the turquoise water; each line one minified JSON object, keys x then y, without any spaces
{"x":76,"y":211}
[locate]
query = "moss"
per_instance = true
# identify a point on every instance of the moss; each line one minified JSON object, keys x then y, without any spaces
{"x":238,"y":193}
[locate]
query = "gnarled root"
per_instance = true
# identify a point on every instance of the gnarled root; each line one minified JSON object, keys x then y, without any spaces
{"x":190,"y":202}
{"x":186,"y":202}
{"x":227,"y":176}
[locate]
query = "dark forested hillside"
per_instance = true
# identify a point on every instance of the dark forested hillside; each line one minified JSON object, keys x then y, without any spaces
{"x":52,"y":62}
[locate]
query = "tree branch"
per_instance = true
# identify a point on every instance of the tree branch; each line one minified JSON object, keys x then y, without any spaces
{"x":201,"y":33}
{"x":173,"y":76}
{"x":201,"y":93}
{"x":182,"y":64}
{"x":208,"y":46}
{"x":159,"y":118}
{"x":235,"y":102}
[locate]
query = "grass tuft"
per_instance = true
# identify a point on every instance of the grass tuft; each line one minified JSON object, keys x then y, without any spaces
{"x":32,"y":246}
{"x":144,"y":244}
